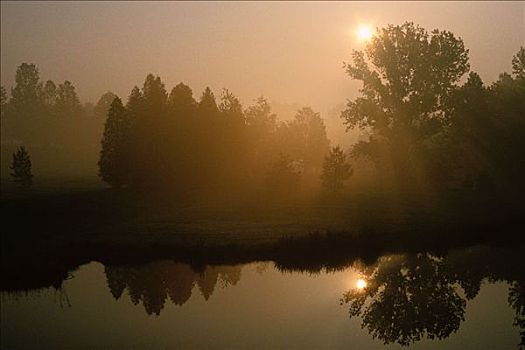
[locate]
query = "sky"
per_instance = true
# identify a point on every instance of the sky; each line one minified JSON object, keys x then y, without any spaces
{"x":290,"y":52}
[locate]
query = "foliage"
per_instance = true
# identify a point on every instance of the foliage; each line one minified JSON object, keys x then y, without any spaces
{"x":408,"y":298}
{"x":21,"y":167}
{"x":408,"y":77}
{"x":518,"y":64}
{"x":305,"y":138}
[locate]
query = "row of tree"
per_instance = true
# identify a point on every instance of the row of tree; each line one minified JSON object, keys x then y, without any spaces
{"x":427,"y":125}
{"x":173,"y":142}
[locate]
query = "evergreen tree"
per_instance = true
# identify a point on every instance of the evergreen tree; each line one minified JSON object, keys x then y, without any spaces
{"x":21,"y":166}
{"x":335,"y":170}
{"x":114,"y":155}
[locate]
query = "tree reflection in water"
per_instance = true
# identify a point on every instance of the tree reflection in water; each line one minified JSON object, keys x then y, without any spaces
{"x":411,"y":297}
{"x":407,"y":297}
{"x":517,"y":301}
{"x":153,"y":283}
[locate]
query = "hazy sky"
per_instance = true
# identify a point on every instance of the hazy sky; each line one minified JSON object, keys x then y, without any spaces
{"x":288,"y":51}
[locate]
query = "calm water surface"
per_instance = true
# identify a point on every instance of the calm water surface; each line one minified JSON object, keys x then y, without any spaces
{"x":397,"y":300}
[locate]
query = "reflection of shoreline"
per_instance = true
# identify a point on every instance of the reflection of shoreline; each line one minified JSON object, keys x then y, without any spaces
{"x":407,"y":297}
{"x":34,"y":265}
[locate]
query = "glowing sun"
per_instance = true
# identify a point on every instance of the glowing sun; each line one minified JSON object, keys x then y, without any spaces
{"x":361,"y":284}
{"x":364,"y":33}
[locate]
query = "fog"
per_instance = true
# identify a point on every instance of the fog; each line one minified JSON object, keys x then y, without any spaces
{"x":153,"y":149}
{"x":289,"y":52}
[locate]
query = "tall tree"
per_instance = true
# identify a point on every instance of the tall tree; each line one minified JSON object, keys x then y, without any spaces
{"x":155,"y":96}
{"x":305,"y":138}
{"x":408,"y":77}
{"x":26,"y":95}
{"x":114,"y":156}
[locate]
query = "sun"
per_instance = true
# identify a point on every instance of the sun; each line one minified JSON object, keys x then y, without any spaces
{"x":364,"y":33}
{"x":361,"y":284}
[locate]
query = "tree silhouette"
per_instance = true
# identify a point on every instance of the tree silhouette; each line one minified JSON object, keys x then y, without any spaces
{"x":517,"y":302}
{"x":114,"y":163}
{"x":335,"y":170}
{"x":26,"y":95}
{"x":305,"y":138}
{"x":407,"y":298}
{"x":21,"y":167}
{"x":408,"y":76}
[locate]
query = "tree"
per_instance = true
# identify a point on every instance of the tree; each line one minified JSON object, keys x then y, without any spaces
{"x":26,"y":95}
{"x":305,"y":138}
{"x":181,"y":102}
{"x":113,"y":167}
{"x":21,"y":166}
{"x":335,"y":170}
{"x":408,"y":77}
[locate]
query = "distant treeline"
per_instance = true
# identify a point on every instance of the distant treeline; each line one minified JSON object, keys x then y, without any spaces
{"x":61,"y":134}
{"x":160,"y":140}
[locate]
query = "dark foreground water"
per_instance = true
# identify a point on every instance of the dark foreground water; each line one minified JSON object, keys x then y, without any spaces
{"x":468,"y":299}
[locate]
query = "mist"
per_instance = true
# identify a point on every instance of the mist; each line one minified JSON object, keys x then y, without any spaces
{"x":197,"y":174}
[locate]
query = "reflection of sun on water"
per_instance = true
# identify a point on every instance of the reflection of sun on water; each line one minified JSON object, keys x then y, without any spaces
{"x":361,"y":284}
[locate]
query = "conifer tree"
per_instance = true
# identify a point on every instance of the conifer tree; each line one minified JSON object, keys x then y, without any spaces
{"x":115,"y":144}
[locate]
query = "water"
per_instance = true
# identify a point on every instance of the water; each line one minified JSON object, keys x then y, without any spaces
{"x":462,"y":298}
